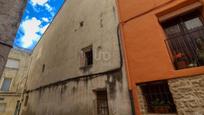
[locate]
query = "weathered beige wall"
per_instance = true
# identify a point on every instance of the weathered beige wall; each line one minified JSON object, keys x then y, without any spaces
{"x":18,"y":76}
{"x":10,"y":16}
{"x":60,"y":46}
{"x":59,"y":49}
{"x":78,"y":97}
{"x":188,"y":94}
{"x":10,"y":101}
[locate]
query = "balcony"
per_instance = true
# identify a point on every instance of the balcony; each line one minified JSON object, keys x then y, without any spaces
{"x":187,"y":49}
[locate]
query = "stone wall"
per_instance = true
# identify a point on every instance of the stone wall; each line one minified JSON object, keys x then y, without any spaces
{"x":10,"y":102}
{"x":142,"y":102}
{"x":54,"y":87}
{"x":18,"y":76}
{"x":188,"y":94}
{"x":77,"y":97}
{"x":79,"y":24}
{"x":10,"y":17}
{"x":4,"y":51}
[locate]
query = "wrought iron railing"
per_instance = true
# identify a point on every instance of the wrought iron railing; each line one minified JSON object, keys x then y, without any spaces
{"x":187,"y":49}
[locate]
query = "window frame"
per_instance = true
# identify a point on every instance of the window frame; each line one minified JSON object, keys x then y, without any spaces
{"x":184,"y":31}
{"x":84,"y":59}
{"x":13,"y":59}
{"x":162,"y":93}
{"x":11,"y":80}
{"x":98,"y":93}
{"x":180,"y":20}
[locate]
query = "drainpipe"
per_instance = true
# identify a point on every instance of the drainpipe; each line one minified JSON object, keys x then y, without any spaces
{"x":119,"y":36}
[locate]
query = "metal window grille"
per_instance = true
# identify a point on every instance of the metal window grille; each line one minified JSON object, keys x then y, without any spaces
{"x":102,"y":103}
{"x":185,"y":40}
{"x":158,"y":97}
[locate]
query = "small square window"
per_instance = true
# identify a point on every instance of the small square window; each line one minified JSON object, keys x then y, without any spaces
{"x":6,"y":84}
{"x":12,"y":63}
{"x":158,"y":98}
{"x":87,"y":57}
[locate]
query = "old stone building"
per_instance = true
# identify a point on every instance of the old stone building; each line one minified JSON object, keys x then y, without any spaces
{"x":10,"y":16}
{"x":12,"y":82}
{"x":77,"y":67}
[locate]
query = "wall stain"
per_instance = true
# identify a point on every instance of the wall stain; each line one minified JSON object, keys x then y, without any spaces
{"x":101,"y":20}
{"x":63,"y":89}
{"x":112,"y":80}
{"x":28,"y":111}
{"x":74,"y":90}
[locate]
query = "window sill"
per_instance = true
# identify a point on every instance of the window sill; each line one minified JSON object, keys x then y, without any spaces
{"x":190,"y":69}
{"x":188,"y":66}
{"x":11,"y":68}
{"x":9,"y":94}
{"x":86,"y":67}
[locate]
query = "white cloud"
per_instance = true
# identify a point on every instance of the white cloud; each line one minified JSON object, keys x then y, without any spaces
{"x":45,"y":19}
{"x":31,"y":28}
{"x":39,"y":2}
{"x":48,"y":7}
{"x":43,"y":3}
{"x":52,"y":13}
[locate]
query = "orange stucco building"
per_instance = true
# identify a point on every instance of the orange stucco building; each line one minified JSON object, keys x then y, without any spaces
{"x":151,"y":56}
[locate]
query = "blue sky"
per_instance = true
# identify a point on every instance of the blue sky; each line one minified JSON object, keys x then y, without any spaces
{"x":36,"y":18}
